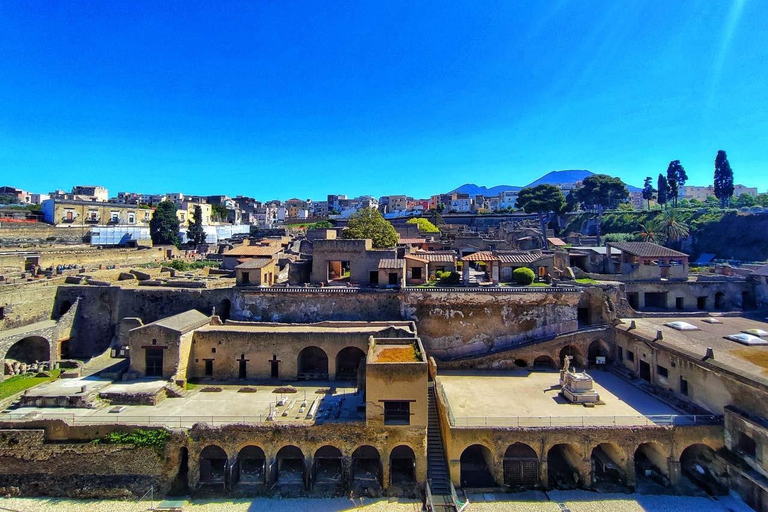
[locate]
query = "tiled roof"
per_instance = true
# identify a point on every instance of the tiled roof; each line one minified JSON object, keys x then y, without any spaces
{"x":412,"y":241}
{"x":556,"y":241}
{"x":647,"y":250}
{"x":255,"y":263}
{"x":519,"y":256}
{"x":416,"y":258}
{"x":183,"y":322}
{"x":480,"y":256}
{"x":254,"y":250}
{"x":438,"y":256}
{"x":391,"y":264}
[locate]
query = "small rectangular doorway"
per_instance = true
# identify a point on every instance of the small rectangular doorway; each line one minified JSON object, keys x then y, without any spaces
{"x":153,"y":362}
{"x":393,"y":278}
{"x":209,"y":367}
{"x":645,"y":371}
{"x":275,"y":364}
{"x":374,"y":277}
{"x":242,"y":372}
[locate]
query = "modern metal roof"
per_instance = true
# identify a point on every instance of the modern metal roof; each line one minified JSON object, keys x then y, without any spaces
{"x":647,"y":250}
{"x":183,"y":322}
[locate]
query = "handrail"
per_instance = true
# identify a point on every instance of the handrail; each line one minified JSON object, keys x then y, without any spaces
{"x":656,"y":420}
{"x":435,"y":289}
{"x":149,"y":421}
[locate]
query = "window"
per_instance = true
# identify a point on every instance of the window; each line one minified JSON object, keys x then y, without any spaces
{"x":630,"y":355}
{"x":153,"y":362}
{"x":683,"y":387}
{"x":146,"y":215}
{"x":131,"y":218}
{"x":397,"y":413}
{"x":209,"y":367}
{"x":416,"y":273}
{"x":663,"y":372}
{"x":747,"y":445}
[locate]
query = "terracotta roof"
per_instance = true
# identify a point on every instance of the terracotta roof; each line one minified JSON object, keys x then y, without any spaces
{"x":480,"y":256}
{"x":438,"y":256}
{"x":412,"y":241}
{"x":556,"y":241}
{"x":647,"y":250}
{"x":255,"y":263}
{"x":416,"y":258}
{"x":519,"y":256}
{"x":254,"y":250}
{"x":391,"y":264}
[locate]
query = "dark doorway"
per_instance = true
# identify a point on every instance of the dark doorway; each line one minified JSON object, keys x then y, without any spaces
{"x":655,"y":300}
{"x":251,"y":466}
{"x":64,"y":308}
{"x":701,"y":302}
{"x":544,"y":362}
{"x":224,"y":309}
{"x":153,"y":362}
{"x":703,"y":468}
{"x":747,"y":301}
{"x":290,"y":467}
{"x":213,"y":466}
{"x":209,"y":367}
{"x":645,"y":371}
{"x":561,"y":469}
{"x":679,"y":303}
{"x":651,"y":470}
{"x":416,"y":273}
{"x":246,"y":279}
{"x":366,"y":469}
{"x":274,"y":364}
{"x":374,"y":277}
{"x":634,"y":300}
{"x":521,"y":466}
{"x":570,"y":350}
{"x":583,"y":316}
{"x":30,"y":350}
{"x":598,"y":349}
{"x":719,"y":300}
{"x":242,"y":372}
{"x":476,"y":463}
{"x":393,"y":278}
{"x":402,"y":463}
{"x":180,"y":486}
{"x":606,"y":464}
{"x":348,"y":361}
{"x":312,"y":364}
{"x":327,"y":470}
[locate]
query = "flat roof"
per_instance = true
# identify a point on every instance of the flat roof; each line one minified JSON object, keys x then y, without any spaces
{"x":749,"y":361}
{"x":533,"y":396}
{"x":324,"y":327}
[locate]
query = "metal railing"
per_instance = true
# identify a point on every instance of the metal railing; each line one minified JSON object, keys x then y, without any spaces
{"x":657,"y":420}
{"x":441,"y":289}
{"x":143,"y":421}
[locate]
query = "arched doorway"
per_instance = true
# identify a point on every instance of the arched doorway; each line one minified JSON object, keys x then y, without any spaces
{"x":574,"y":353}
{"x":544,"y":362}
{"x":402,"y":465}
{"x":30,"y":350}
{"x":476,"y":463}
{"x":521,"y":363}
{"x":347,"y":362}
{"x":213,"y":466}
{"x":327,"y":469}
{"x":608,"y":465}
{"x":651,"y":467}
{"x":702,"y":468}
{"x":366,"y":469}
{"x":312,"y":364}
{"x":251,"y":466}
{"x":224,"y":309}
{"x":521,"y":466}
{"x":563,"y":467}
{"x":598,"y":348}
{"x":290,"y":467}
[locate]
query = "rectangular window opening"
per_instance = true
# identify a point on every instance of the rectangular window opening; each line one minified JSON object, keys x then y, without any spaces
{"x":397,"y":413}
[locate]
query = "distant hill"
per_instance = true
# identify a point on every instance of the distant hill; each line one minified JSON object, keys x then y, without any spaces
{"x":551,"y":178}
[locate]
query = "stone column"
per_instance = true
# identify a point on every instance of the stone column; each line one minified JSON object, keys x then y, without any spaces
{"x":454,"y":468}
{"x":385,"y":472}
{"x":674,"y":472}
{"x":465,"y":273}
{"x":585,"y":473}
{"x":269,"y":477}
{"x":494,"y":272}
{"x":346,"y":472}
{"x":544,"y":472}
{"x":308,"y":462}
{"x":629,"y":467}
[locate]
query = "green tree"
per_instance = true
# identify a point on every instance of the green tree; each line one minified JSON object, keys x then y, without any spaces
{"x":164,"y":226}
{"x":368,"y":223}
{"x":649,"y":193}
{"x":425,"y":226}
{"x":601,"y":191}
{"x":723,"y":179}
{"x":663,"y":190}
{"x":220,"y":212}
{"x":542,"y":200}
{"x":676,"y":178}
{"x":195,"y":232}
{"x":671,"y":227}
{"x":647,"y":232}
{"x":745,"y":200}
{"x":322,"y":224}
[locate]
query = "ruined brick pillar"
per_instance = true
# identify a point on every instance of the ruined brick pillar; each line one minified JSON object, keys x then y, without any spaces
{"x":543,"y":472}
{"x":385,"y":472}
{"x":674,"y":472}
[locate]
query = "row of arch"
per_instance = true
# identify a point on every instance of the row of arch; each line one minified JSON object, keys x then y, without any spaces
{"x":328,"y":468}
{"x":566,"y":467}
{"x":598,"y":348}
{"x":312,"y":363}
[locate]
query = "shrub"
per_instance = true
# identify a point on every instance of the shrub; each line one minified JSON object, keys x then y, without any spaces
{"x":447,"y":277}
{"x":140,"y":438}
{"x":523,"y":275}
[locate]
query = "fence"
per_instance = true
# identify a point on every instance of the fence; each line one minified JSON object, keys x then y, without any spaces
{"x":435,"y":289}
{"x":140,"y":421}
{"x":659,"y":420}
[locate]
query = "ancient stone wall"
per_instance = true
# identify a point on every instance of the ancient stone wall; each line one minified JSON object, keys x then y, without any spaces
{"x":26,"y":303}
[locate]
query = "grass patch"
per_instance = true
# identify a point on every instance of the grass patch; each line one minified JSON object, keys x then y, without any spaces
{"x":539,"y":285}
{"x":140,"y":438}
{"x":586,"y":280}
{"x":18,"y":383}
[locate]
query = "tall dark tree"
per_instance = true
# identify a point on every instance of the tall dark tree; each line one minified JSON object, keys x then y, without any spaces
{"x":676,"y":178}
{"x":195,"y":232}
{"x":600,"y":191}
{"x":723,"y":179}
{"x":164,"y":226}
{"x":543,"y":200}
{"x":649,"y":193}
{"x":663,"y":190}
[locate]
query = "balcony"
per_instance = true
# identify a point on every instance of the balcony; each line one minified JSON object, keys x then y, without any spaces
{"x":92,"y":220}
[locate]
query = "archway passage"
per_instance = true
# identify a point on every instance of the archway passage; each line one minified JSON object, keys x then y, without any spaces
{"x":224,"y":309}
{"x":366,"y":469}
{"x":251,"y":465}
{"x":180,"y":485}
{"x":312,"y":364}
{"x":30,"y":350}
{"x":544,"y":362}
{"x":598,"y":348}
{"x":607,"y":463}
{"x":703,"y":468}
{"x":476,"y":463}
{"x":327,"y":469}
{"x":402,"y":465}
{"x":521,"y":363}
{"x":563,"y":467}
{"x":290,"y":467}
{"x":213,"y":465}
{"x":574,"y":353}
{"x":348,"y":361}
{"x":521,"y":466}
{"x":651,"y":468}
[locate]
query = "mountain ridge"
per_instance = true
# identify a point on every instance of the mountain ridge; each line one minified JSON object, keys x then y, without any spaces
{"x":551,"y":178}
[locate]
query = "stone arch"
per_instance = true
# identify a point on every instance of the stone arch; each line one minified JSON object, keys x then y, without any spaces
{"x":651,"y":464}
{"x":700,"y":464}
{"x":608,"y":464}
{"x":563,"y":461}
{"x":213,"y":466}
{"x":224,"y":309}
{"x":599,"y":348}
{"x":366,"y":467}
{"x":251,"y":465}
{"x":312,"y":364}
{"x":476,"y":465}
{"x":545,"y":362}
{"x":521,"y":363}
{"x":290,"y":468}
{"x":521,"y":466}
{"x":328,"y":468}
{"x":402,"y":465}
{"x":574,"y":352}
{"x":30,"y":350}
{"x":348,"y":361}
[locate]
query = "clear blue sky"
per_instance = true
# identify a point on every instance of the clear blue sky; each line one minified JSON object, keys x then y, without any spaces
{"x":280,"y":99}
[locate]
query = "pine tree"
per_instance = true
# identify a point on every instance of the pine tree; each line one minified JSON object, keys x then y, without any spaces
{"x":676,"y":178}
{"x":164,"y":226}
{"x":196,"y":233}
{"x":649,"y":192}
{"x":542,"y":200}
{"x":663,"y":190}
{"x":723,"y":179}
{"x":601,"y":191}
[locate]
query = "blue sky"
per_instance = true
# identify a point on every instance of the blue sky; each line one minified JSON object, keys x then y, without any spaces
{"x":283,"y":99}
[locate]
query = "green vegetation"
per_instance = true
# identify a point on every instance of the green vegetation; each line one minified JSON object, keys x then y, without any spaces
{"x":543,"y":200}
{"x":448,"y":278}
{"x":140,"y":438}
{"x":586,"y":280}
{"x":219,"y":212}
{"x":523,"y":276}
{"x":185,"y":266}
{"x":18,"y":383}
{"x":323,"y":224}
{"x":195,"y":232}
{"x":368,"y":223}
{"x":164,"y":226}
{"x":600,"y":192}
{"x":723,"y":179}
{"x":425,"y":226}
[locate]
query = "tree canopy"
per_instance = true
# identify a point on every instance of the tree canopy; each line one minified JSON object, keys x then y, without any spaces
{"x":164,"y":226}
{"x":195,"y":232}
{"x":649,"y":193}
{"x":663,"y":190}
{"x":723,"y":179}
{"x":541,"y":199}
{"x":368,"y":223}
{"x":425,"y":226}
{"x":676,"y":178}
{"x":602,"y":191}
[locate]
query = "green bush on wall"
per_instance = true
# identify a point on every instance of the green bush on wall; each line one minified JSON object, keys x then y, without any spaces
{"x":523,"y":276}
